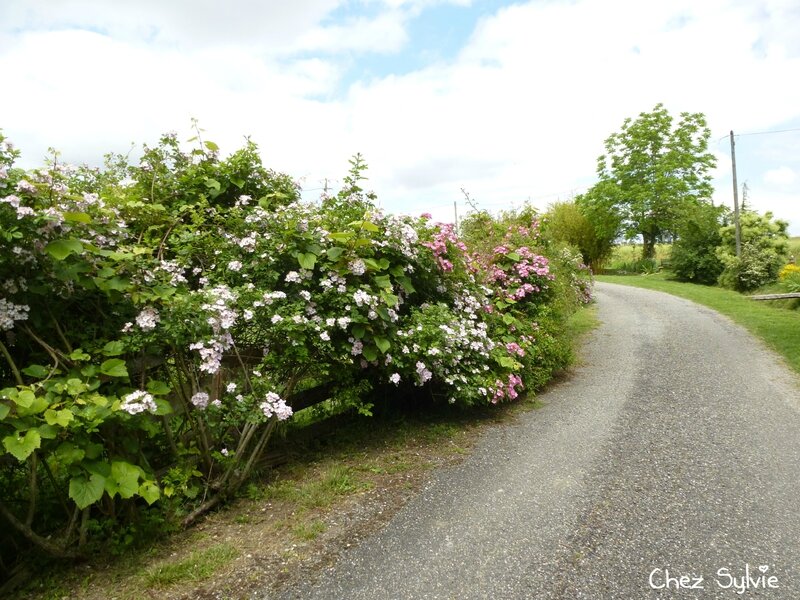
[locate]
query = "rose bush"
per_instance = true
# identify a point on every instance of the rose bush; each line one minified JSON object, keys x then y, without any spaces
{"x":158,"y":320}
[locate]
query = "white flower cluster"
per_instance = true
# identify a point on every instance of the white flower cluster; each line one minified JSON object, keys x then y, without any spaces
{"x":138,"y":401}
{"x":200,"y":400}
{"x":174,"y":270}
{"x":275,"y":405}
{"x":357,"y":267}
{"x":362,"y":297}
{"x":10,"y":312}
{"x":15,"y":203}
{"x":147,"y":319}
{"x":221,"y":318}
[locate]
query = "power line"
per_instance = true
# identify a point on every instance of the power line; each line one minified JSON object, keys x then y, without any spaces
{"x":767,"y":132}
{"x":761,"y":133}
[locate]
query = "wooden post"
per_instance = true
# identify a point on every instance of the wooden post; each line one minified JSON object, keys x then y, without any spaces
{"x":736,"y":200}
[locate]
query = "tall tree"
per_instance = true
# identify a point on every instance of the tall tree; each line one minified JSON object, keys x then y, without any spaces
{"x":654,"y":171}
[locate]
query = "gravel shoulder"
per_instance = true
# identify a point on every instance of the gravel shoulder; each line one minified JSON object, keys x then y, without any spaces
{"x":674,"y":447}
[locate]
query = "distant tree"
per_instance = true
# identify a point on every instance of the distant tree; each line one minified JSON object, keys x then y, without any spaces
{"x":584,"y":225}
{"x":654,"y":171}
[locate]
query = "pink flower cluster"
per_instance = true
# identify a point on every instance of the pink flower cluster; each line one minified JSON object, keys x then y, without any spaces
{"x":444,"y":233}
{"x":511,"y":275}
{"x":507,"y":390}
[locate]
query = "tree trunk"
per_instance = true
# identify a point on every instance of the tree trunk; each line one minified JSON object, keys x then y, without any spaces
{"x":648,"y":246}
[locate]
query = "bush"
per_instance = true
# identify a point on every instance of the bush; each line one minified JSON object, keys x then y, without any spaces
{"x":789,"y":277}
{"x":764,"y":244}
{"x":694,"y":256}
{"x":158,"y":322}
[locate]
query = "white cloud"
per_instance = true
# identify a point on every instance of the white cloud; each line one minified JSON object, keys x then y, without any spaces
{"x":782,"y":176}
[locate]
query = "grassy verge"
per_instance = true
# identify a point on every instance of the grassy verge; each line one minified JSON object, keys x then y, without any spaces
{"x":778,"y":327}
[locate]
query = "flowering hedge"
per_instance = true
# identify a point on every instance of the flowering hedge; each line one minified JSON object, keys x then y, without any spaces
{"x":157,"y":321}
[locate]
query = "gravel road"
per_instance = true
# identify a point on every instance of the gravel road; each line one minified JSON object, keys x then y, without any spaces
{"x":673,"y":451}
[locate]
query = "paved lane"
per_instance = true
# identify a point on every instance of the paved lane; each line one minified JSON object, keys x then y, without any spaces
{"x":673,"y":451}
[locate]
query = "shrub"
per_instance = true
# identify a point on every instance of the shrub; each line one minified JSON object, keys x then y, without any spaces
{"x":789,"y":276}
{"x":694,"y":256}
{"x":159,"y":321}
{"x":764,"y":244}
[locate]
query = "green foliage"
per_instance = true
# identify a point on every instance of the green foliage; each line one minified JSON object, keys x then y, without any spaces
{"x":764,"y":251}
{"x":653,"y":171}
{"x":694,"y":254}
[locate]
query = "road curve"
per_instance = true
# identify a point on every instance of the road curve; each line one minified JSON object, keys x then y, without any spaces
{"x":667,"y":466}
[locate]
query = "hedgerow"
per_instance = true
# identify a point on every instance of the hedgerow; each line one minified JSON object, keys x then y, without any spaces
{"x":159,"y":320}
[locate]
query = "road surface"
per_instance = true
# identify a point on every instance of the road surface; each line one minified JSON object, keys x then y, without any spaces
{"x":668,"y":466}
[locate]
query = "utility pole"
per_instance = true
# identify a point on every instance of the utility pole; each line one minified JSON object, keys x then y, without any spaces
{"x":736,"y":200}
{"x":455,"y":211}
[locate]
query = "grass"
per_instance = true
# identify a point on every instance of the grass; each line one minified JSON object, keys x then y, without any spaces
{"x":626,"y":257}
{"x":198,"y":566}
{"x":778,"y":327}
{"x":794,"y":247}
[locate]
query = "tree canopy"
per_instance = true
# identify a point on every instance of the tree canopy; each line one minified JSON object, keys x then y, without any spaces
{"x":653,"y":171}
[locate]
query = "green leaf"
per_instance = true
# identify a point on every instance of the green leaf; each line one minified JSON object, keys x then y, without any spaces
{"x":397,"y":271}
{"x":365,"y":225}
{"x":149,"y":491}
{"x":372,"y":264}
{"x":78,"y":355}
{"x":4,"y":410}
{"x":359,"y":331}
{"x":158,"y":388}
{"x":239,"y":183}
{"x":384,"y":281}
{"x":114,"y":348}
{"x":124,"y":479}
{"x":334,"y":252}
{"x":341,"y":236}
{"x":22,"y":446}
{"x":61,"y":417}
{"x":508,"y":363}
{"x":86,"y":492}
{"x":37,"y":371}
{"x":307,"y":260}
{"x":114,"y":367}
{"x":390,"y":299}
{"x":119,"y":284}
{"x":513,"y":256}
{"x":39,"y":405}
{"x":68,"y":453}
{"x":48,"y":432}
{"x":382,"y":343}
{"x":370,"y":352}
{"x":8,"y":393}
{"x":75,"y":386}
{"x":405,"y":282}
{"x":211,"y":146}
{"x":383,"y":264}
{"x":61,"y":249}
{"x":25,"y":398}
{"x":163,"y":407}
{"x":77,"y":217}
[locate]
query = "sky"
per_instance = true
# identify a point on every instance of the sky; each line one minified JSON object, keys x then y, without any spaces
{"x":508,"y":101}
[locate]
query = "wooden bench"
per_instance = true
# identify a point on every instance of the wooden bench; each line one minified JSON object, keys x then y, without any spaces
{"x":775,"y":296}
